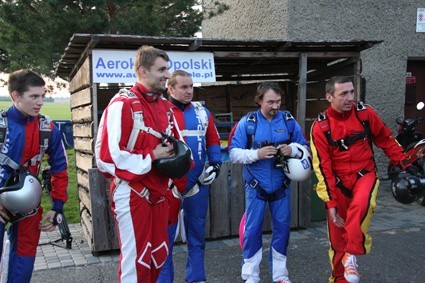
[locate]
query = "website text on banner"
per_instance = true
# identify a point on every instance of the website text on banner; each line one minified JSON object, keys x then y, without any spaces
{"x":116,"y":66}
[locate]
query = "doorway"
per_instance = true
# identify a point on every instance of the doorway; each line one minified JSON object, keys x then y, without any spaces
{"x":415,"y":90}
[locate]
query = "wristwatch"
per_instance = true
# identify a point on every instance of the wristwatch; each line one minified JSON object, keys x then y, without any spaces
{"x":57,"y":219}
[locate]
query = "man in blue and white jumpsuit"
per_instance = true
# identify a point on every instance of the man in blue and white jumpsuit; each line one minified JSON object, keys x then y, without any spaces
{"x":275,"y":130}
{"x":200,"y":134}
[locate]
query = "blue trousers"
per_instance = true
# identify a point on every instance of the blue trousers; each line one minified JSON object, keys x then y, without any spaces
{"x":253,"y":241}
{"x":23,"y":236}
{"x":195,"y":211}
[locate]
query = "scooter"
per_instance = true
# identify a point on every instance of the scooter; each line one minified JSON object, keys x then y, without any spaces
{"x":413,"y":144}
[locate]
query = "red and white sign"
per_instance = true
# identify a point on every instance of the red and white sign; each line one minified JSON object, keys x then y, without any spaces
{"x":410,"y":80}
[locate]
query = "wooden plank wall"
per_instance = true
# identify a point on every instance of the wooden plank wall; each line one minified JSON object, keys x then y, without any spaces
{"x":93,"y":191}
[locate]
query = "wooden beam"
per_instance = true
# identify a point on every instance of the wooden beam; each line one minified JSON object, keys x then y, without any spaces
{"x":302,"y":90}
{"x":256,"y":78}
{"x":95,"y":89}
{"x":358,"y":78}
{"x":239,"y":69}
{"x":326,"y":71}
{"x":195,"y":44}
{"x":285,"y":55}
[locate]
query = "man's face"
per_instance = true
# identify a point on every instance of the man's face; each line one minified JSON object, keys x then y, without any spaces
{"x":29,"y":103}
{"x":182,"y":90}
{"x":156,"y":77}
{"x":270,"y":103}
{"x":342,"y":98}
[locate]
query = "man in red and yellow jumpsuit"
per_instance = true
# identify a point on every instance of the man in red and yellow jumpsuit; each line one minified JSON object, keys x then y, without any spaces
{"x":341,"y":143}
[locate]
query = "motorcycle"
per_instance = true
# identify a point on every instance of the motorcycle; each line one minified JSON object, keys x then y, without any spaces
{"x":413,"y":144}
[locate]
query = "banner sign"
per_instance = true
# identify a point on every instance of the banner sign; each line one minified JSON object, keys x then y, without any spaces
{"x":116,"y":66}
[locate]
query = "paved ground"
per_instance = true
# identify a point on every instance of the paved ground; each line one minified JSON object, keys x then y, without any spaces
{"x":398,"y":252}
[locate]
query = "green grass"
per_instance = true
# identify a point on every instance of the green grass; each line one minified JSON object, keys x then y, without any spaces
{"x":60,"y":111}
{"x":56,"y":110}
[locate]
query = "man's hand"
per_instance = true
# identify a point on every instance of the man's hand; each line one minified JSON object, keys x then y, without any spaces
{"x":211,"y":173}
{"x":266,"y":152}
{"x":284,"y":149}
{"x":335,"y":217}
{"x":46,"y":223}
{"x":3,"y":215}
{"x":163,"y":151}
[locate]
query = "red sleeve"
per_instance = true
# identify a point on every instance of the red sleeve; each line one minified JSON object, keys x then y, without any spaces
{"x":382,"y":138}
{"x":212,"y":137}
{"x":325,"y":187}
{"x":59,"y":186}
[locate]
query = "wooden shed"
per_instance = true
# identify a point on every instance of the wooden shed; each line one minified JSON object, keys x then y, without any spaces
{"x":302,"y":68}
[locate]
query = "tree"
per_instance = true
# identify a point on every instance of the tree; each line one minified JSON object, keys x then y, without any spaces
{"x":34,"y":34}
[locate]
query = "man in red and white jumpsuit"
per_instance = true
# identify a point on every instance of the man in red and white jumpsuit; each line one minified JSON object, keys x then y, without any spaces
{"x":138,"y":190}
{"x":346,"y":171}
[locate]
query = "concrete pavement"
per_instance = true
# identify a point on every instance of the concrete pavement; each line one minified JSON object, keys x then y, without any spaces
{"x":398,"y":252}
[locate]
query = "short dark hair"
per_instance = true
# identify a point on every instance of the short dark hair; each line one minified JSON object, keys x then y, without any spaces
{"x":146,"y":56}
{"x":330,"y":85}
{"x":264,"y":87}
{"x":22,"y":80}
{"x":172,"y":81}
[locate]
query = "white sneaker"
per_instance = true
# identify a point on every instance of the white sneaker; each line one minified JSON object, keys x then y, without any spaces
{"x":350,"y":273}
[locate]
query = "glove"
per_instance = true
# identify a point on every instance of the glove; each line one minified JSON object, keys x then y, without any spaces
{"x":211,"y":173}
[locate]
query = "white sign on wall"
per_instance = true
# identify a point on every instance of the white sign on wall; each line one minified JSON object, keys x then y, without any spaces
{"x":420,"y":20}
{"x":116,"y":66}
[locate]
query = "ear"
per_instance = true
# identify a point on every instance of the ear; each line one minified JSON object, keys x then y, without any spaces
{"x":329,"y":97}
{"x":15,"y":95}
{"x":143,"y":72}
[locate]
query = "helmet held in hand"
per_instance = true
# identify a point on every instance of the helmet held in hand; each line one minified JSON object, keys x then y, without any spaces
{"x":21,"y":193}
{"x":178,"y":165}
{"x":298,"y":169}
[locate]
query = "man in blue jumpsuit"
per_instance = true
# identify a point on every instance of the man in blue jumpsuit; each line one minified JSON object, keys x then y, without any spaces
{"x":22,"y":147}
{"x":200,"y":133}
{"x":275,"y":131}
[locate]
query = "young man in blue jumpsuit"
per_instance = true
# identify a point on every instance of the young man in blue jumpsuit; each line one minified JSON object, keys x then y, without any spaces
{"x":275,"y":131}
{"x":22,"y":147}
{"x":200,"y":133}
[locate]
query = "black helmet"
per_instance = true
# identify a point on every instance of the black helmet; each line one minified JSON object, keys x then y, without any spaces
{"x":178,"y":165}
{"x":405,"y":188}
{"x":21,"y":193}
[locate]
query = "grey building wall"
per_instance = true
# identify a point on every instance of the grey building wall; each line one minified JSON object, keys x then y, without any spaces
{"x":384,"y":65}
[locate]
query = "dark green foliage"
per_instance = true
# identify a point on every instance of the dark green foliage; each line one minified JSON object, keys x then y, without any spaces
{"x":34,"y":34}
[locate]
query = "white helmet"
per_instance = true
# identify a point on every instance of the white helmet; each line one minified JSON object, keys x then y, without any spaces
{"x":298,"y":169}
{"x":21,"y":193}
